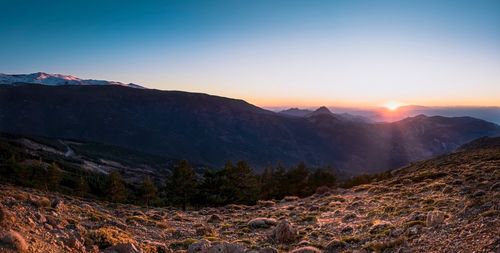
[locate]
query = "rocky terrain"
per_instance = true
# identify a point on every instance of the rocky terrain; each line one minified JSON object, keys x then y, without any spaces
{"x":447,"y":204}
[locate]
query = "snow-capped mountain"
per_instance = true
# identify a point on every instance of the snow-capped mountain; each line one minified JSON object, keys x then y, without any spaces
{"x":56,"y":79}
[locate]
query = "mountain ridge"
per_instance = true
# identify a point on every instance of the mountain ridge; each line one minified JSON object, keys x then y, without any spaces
{"x":212,"y":130}
{"x":55,"y":79}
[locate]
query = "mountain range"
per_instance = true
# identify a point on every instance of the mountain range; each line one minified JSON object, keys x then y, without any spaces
{"x":56,"y":79}
{"x":211,"y":130}
{"x":381,"y":114}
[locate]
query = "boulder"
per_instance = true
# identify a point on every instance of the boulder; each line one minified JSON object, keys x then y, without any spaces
{"x":226,"y":247}
{"x":308,"y":249}
{"x":201,"y":246}
{"x":123,"y":248}
{"x":435,"y":218}
{"x":284,"y":232}
{"x":262,"y":222}
{"x":14,"y":241}
{"x":214,"y":218}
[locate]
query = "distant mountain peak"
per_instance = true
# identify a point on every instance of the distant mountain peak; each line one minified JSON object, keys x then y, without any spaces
{"x":55,"y":80}
{"x":323,"y":110}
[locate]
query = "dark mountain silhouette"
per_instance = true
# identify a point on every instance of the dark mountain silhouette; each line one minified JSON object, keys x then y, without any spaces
{"x":212,"y":130}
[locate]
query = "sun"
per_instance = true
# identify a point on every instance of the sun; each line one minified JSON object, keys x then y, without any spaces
{"x":392,"y":105}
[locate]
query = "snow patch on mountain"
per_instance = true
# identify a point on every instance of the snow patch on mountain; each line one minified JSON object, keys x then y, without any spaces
{"x":56,"y":80}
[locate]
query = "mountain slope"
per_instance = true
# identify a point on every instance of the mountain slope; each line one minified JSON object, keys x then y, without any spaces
{"x":447,"y":204}
{"x":212,"y":130}
{"x":55,"y":79}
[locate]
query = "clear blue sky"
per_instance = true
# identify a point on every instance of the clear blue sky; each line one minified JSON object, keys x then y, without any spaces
{"x":271,"y":53}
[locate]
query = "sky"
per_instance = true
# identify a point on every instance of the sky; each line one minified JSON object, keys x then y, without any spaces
{"x":270,"y":53}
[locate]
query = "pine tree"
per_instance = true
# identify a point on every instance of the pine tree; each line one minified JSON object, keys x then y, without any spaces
{"x":53,"y":177}
{"x":116,"y":191}
{"x":181,"y":184}
{"x":148,"y":191}
{"x":321,"y":177}
{"x":296,"y":180}
{"x":82,"y":187}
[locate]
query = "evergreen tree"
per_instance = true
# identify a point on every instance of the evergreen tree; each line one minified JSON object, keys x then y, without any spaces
{"x":53,"y":177}
{"x":296,"y":181}
{"x":181,"y":184}
{"x":116,"y":191}
{"x":321,"y":177}
{"x":148,"y":191}
{"x":241,"y":183}
{"x":81,"y":187}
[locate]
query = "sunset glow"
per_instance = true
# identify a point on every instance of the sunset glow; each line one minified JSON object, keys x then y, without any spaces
{"x":392,"y":105}
{"x":293,"y":53}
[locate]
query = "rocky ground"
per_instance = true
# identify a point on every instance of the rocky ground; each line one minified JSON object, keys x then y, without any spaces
{"x":447,"y":204}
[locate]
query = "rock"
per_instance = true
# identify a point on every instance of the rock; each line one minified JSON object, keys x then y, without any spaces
{"x":204,"y":229}
{"x":435,"y":218}
{"x":123,"y":248}
{"x":262,"y":222}
{"x":495,"y":186}
{"x":40,"y":218}
{"x":380,"y":227}
{"x":335,"y":246}
{"x":349,"y":217}
{"x":214,"y":218}
{"x":479,"y":193}
{"x":13,"y":240}
{"x":347,"y":230}
{"x":266,"y":203}
{"x":306,"y":250}
{"x":74,"y":243}
{"x":199,"y":247}
{"x":58,"y":205}
{"x":40,"y":202}
{"x":284,"y":232}
{"x":290,"y":198}
{"x":268,"y":250}
{"x":226,"y":247}
{"x":6,"y":218}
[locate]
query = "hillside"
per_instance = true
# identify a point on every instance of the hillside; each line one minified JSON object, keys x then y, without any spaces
{"x":446,"y":204}
{"x":211,"y":130}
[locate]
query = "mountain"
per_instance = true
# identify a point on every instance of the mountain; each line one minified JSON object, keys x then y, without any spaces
{"x":296,"y":112}
{"x":447,"y":204}
{"x":211,"y":130}
{"x":55,"y":79}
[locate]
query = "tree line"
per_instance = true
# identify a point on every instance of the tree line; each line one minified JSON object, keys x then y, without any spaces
{"x":234,"y":183}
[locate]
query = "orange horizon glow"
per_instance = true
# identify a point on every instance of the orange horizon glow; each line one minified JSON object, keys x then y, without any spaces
{"x":298,"y":103}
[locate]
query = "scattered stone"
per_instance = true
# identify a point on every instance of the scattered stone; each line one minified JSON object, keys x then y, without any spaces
{"x":226,"y":247}
{"x":123,"y":248}
{"x":58,"y":205}
{"x":335,"y":246}
{"x":349,"y":217}
{"x":6,"y":218}
{"x":435,"y":218}
{"x":381,"y":227}
{"x":347,"y":230}
{"x":14,"y":241}
{"x":495,"y":186}
{"x":290,"y":198}
{"x":284,"y":232}
{"x":199,"y":247}
{"x":268,"y":250}
{"x":479,"y":193}
{"x":214,"y":218}
{"x":308,"y":249}
{"x":262,"y":222}
{"x":266,"y":203}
